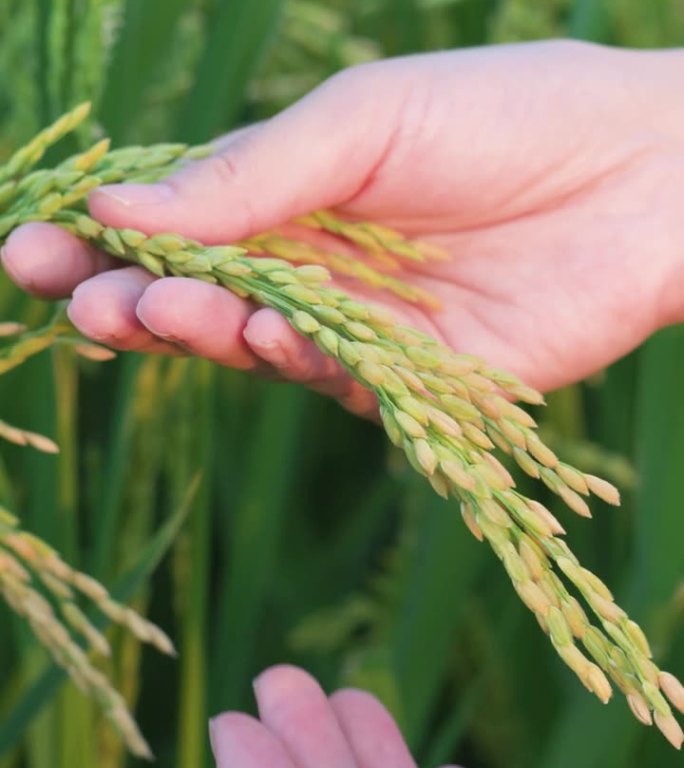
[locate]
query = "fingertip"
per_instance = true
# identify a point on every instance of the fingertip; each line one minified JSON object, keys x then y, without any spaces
{"x":103,"y":308}
{"x":351,"y":698}
{"x":267,"y":333}
{"x":272,"y":338}
{"x":48,"y":261}
{"x":204,"y":319}
{"x":240,"y":741}
{"x":227,"y":723}
{"x":370,"y":729}
{"x":193,"y":202}
{"x":360,"y":401}
{"x":288,"y":697}
{"x":132,"y":205}
{"x":297,"y":359}
{"x":282,"y":680}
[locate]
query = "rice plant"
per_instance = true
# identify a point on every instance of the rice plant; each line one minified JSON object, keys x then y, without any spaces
{"x":352,"y":577}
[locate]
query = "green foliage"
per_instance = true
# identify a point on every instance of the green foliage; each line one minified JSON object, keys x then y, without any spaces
{"x":371,"y":582}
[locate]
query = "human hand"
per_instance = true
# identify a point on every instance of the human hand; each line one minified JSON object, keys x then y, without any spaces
{"x":299,"y":727}
{"x":551,"y":172}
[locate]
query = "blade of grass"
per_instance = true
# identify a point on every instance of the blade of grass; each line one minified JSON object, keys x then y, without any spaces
{"x":142,"y":482}
{"x":445,"y":742}
{"x":659,"y":561}
{"x":494,"y":629}
{"x":236,"y":37}
{"x":252,"y":551}
{"x":435,"y":582}
{"x":143,"y":43}
{"x":655,"y":570}
{"x":47,"y":684}
{"x":194,"y":426}
{"x":42,"y":515}
{"x":358,"y":535}
{"x":113,"y":475}
{"x":589,"y":21}
{"x":77,"y":742}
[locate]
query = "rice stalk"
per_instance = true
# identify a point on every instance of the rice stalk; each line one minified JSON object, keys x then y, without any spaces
{"x":38,"y":195}
{"x":448,"y":412}
{"x":30,"y":570}
{"x":39,"y":585}
{"x":26,"y":343}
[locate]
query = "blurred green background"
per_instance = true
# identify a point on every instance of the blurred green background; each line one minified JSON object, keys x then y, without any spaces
{"x":309,"y":541}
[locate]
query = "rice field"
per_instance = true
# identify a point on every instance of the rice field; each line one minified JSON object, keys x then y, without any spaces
{"x":256,"y":522}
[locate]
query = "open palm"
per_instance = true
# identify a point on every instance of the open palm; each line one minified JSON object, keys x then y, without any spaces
{"x":552,"y":174}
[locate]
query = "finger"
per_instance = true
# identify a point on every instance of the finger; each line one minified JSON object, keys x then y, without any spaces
{"x":293,"y":707}
{"x":240,"y":741}
{"x":359,"y":401}
{"x":48,"y":261}
{"x":104,"y":309}
{"x":272,"y":338}
{"x":270,"y":174}
{"x":297,"y":359}
{"x":204,"y":319}
{"x":223,"y":142}
{"x":371,"y":732}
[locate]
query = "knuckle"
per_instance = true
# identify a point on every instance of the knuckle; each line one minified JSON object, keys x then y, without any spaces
{"x":225,"y":166}
{"x":228,"y":172}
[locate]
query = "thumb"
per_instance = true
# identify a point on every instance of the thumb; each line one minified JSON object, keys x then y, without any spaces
{"x":316,"y":154}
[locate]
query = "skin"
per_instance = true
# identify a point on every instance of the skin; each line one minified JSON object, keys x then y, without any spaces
{"x":552,"y":173}
{"x":300,"y":727}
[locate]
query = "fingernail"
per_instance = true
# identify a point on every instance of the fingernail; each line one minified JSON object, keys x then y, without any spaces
{"x":151,"y":326}
{"x":272,"y":352}
{"x":277,"y":356}
{"x":168,"y":337}
{"x":132,"y":195}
